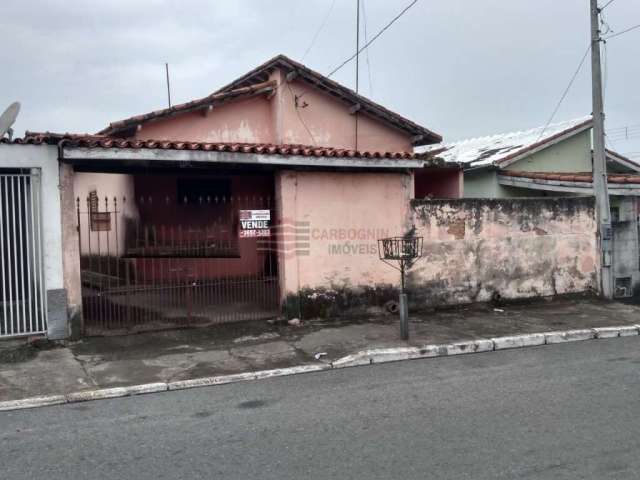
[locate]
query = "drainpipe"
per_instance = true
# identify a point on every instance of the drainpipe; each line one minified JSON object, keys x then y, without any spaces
{"x":61,"y":144}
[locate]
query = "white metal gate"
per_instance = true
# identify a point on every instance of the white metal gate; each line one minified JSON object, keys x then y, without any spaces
{"x":22,"y":298}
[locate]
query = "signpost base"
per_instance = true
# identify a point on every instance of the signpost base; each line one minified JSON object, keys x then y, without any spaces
{"x":404,"y":317}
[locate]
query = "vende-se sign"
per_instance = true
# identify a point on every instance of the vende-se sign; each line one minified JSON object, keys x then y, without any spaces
{"x":254,"y":223}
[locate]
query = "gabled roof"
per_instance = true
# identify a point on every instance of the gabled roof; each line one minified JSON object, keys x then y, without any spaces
{"x":502,"y":149}
{"x":622,"y":160}
{"x":260,"y":75}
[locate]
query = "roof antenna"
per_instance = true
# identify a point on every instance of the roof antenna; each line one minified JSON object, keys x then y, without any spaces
{"x":166,"y":67}
{"x":357,"y":64}
{"x":8,"y":118}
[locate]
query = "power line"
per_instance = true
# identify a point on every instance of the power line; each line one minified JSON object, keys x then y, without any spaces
{"x":607,"y":4}
{"x":625,"y":138}
{"x":374,"y":38}
{"x":610,"y":142}
{"x":566,"y":90}
{"x":322,"y":25}
{"x":624,"y":134}
{"x":625,"y":127}
{"x":614,"y":35}
{"x":300,"y":119}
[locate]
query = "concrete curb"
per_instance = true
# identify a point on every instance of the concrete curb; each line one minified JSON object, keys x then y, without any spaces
{"x":569,"y":336}
{"x":364,"y":357}
{"x":518,"y":341}
{"x":118,"y":392}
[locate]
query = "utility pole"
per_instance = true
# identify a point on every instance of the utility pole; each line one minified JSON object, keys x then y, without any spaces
{"x":600,"y":190}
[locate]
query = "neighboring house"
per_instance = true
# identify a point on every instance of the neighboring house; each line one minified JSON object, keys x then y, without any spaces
{"x":554,"y":161}
{"x":551,"y":161}
{"x":224,"y":208}
{"x":282,"y":102}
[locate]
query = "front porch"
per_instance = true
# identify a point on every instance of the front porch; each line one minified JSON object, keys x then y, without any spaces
{"x":166,"y":249}
{"x":172,"y":235}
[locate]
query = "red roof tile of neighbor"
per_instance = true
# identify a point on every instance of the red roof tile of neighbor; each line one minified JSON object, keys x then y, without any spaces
{"x":256,"y":79}
{"x":585,"y":177}
{"x":103,"y":141}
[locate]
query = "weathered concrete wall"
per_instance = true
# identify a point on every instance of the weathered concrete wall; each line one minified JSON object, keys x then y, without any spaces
{"x":246,"y":120}
{"x":319,"y":119}
{"x":71,"y":252}
{"x":570,"y":155}
{"x":330,"y":225}
{"x":625,"y":258}
{"x":515,"y":248}
{"x":44,"y":158}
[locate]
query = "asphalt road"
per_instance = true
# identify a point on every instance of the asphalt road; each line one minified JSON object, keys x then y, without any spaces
{"x":555,"y":412}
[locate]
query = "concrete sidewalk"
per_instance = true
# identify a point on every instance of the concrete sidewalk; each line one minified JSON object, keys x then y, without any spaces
{"x":40,"y":368}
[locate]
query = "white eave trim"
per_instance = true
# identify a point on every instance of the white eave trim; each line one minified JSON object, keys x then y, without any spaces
{"x":623,"y":161}
{"x":202,"y":156}
{"x":621,"y":189}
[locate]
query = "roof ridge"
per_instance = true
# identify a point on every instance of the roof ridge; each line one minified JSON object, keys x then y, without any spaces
{"x":320,"y":81}
{"x":574,"y":122}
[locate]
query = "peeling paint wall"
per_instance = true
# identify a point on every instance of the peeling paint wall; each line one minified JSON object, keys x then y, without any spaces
{"x":477,"y":249}
{"x":328,"y":253}
{"x":43,"y":158}
{"x":316,"y":118}
{"x":297,"y":113}
{"x":331,"y":223}
{"x":246,"y":120}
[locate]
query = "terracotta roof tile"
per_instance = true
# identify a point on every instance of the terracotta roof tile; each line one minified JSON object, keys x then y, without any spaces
{"x":585,"y":177}
{"x":102,"y":141}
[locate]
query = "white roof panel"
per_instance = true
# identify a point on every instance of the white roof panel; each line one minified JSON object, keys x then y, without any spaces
{"x":490,"y":150}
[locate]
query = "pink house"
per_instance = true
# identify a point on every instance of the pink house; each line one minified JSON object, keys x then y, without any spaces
{"x":281,"y":102}
{"x":226,"y":207}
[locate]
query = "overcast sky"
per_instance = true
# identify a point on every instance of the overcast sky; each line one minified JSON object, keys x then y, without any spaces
{"x":460,"y":67}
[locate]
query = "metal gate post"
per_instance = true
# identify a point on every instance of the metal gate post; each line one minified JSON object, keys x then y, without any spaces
{"x":23,"y":303}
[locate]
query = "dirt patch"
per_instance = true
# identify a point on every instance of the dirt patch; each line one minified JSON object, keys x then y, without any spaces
{"x":25,"y":351}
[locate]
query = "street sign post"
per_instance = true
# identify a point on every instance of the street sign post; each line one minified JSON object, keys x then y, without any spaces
{"x":405,"y":251}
